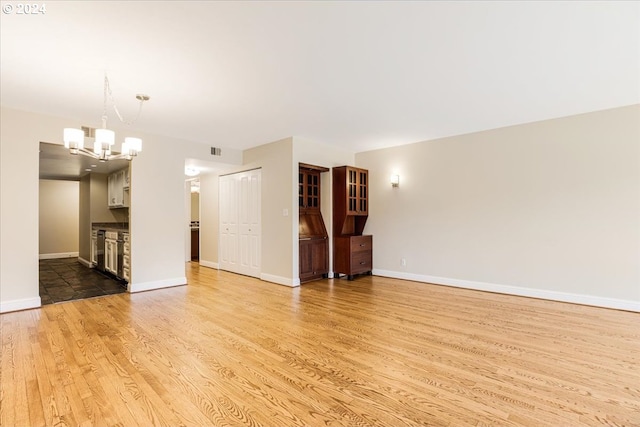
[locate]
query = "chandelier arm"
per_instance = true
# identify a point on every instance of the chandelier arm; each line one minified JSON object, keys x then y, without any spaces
{"x":86,"y":152}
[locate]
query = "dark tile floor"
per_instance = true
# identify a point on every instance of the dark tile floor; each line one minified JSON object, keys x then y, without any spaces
{"x":65,"y":279}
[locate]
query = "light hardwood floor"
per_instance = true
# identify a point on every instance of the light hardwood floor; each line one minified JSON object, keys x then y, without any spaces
{"x":231,"y":350}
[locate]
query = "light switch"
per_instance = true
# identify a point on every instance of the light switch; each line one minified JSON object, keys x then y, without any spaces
{"x":285,"y":212}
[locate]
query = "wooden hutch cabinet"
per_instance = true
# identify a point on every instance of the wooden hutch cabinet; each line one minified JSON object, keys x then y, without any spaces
{"x":313,"y":237}
{"x":352,"y":251}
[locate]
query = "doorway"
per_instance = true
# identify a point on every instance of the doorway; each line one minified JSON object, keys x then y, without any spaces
{"x":64,"y":225}
{"x":194,"y":223}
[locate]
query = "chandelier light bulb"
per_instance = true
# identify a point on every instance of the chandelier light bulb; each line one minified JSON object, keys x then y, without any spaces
{"x":134,"y":145}
{"x":105,"y":136}
{"x":73,"y":139}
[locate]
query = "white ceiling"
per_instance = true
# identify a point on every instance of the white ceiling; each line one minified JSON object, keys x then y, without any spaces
{"x":358,"y":74}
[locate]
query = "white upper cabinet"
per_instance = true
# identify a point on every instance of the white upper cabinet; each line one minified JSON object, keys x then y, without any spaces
{"x":118,"y":189}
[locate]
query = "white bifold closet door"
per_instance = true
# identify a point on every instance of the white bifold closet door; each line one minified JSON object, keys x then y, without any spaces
{"x":240,"y":222}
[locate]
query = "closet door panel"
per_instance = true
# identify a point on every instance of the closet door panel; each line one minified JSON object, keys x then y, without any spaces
{"x":240,"y":223}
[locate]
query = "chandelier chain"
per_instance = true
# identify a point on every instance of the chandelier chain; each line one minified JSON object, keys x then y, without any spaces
{"x":108,"y":94}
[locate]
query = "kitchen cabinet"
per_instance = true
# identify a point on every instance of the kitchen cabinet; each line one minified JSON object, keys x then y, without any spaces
{"x":126,"y":257}
{"x":94,"y":247}
{"x":111,"y":252}
{"x":313,"y":247}
{"x":352,"y":252}
{"x":118,"y":189}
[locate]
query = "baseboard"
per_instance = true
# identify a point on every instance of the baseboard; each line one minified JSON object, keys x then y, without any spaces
{"x":209,"y":264}
{"x":280,"y":280}
{"x":159,"y":284}
{"x":59,"y":255}
{"x":617,"y":304}
{"x":85,"y":262}
{"x":20,"y":304}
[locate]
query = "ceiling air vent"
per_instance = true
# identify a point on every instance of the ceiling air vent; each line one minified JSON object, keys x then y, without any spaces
{"x":89,"y":132}
{"x":216,"y":151}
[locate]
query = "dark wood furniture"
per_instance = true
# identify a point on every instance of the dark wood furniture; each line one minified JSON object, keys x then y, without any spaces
{"x":352,"y":252}
{"x":313,"y":237}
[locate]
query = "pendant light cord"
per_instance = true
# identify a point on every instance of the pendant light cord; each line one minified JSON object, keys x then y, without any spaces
{"x":108,"y":94}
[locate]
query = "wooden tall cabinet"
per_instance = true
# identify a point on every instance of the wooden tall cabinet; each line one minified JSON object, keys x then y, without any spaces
{"x":352,"y":251}
{"x":313,"y":237}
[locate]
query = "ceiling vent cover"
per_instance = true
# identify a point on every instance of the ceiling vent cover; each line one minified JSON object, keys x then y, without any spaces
{"x":89,"y":132}
{"x":216,"y":151}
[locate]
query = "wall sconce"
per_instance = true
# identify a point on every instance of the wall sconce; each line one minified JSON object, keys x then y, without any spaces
{"x":395,"y":180}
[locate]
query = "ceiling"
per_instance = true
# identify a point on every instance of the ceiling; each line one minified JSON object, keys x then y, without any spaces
{"x":358,"y":74}
{"x":57,"y":163}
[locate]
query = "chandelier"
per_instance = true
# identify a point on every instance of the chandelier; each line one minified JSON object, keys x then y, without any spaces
{"x":74,"y":139}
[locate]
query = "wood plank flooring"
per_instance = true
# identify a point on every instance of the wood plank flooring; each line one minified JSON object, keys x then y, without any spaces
{"x":231,"y":350}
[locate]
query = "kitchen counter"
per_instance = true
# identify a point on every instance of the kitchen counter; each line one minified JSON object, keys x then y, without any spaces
{"x":110,"y":226}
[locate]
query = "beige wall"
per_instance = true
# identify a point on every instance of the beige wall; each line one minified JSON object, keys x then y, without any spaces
{"x":195,"y":207}
{"x":209,"y":220}
{"x":58,"y":218}
{"x":84,"y":224}
{"x":275,"y":160}
{"x":279,"y":163}
{"x":19,"y":147}
{"x":548,"y":209}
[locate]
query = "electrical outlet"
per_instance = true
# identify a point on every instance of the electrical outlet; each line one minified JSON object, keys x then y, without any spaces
{"x":403,"y":262}
{"x":285,"y":212}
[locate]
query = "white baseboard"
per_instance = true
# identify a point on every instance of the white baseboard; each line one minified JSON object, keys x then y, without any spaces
{"x":20,"y":304}
{"x":617,"y":304}
{"x":159,"y":284}
{"x":85,"y":262}
{"x":280,"y":280}
{"x":59,"y":255}
{"x":209,"y":264}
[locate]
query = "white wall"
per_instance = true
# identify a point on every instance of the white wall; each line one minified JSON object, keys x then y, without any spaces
{"x":549,"y":209}
{"x":19,"y":147}
{"x":59,"y":208}
{"x":157,"y":215}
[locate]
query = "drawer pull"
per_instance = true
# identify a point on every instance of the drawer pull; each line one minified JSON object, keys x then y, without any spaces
{"x":362,"y":263}
{"x":362,"y":245}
